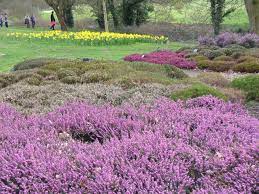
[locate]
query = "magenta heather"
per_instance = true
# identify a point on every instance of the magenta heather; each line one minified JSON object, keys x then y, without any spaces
{"x":163,"y":58}
{"x":202,"y":146}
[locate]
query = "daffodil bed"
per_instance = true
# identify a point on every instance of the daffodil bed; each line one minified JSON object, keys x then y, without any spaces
{"x":89,"y":38}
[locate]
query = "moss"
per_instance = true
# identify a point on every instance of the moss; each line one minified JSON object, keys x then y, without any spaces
{"x":197,"y":90}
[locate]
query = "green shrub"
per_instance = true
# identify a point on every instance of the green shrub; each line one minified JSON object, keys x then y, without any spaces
{"x":197,"y":90}
{"x":247,"y":64}
{"x":62,"y":73}
{"x":94,"y":77}
{"x":174,"y":72}
{"x":203,"y":64}
{"x":220,"y":66}
{"x":199,"y":58}
{"x":70,"y":80}
{"x":44,"y":72}
{"x":237,"y":55}
{"x":33,"y":63}
{"x":227,"y":51}
{"x":223,"y":58}
{"x":234,"y":95}
{"x":126,"y":83}
{"x":213,"y":79}
{"x":212,"y":54}
{"x":249,"y":84}
{"x":34,"y":80}
{"x":7,"y":79}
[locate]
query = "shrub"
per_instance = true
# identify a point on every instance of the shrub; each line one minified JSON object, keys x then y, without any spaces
{"x":213,"y":79}
{"x":70,"y":80}
{"x":45,"y":72}
{"x":7,"y":79}
{"x":224,"y":58}
{"x":204,"y":145}
{"x":34,"y":80}
{"x":195,"y":91}
{"x":226,"y":38}
{"x":174,"y":72}
{"x":249,"y":84}
{"x":94,"y":77}
{"x":220,"y":66}
{"x":206,"y":40}
{"x":163,"y":58}
{"x":63,"y":73}
{"x":211,"y":54}
{"x":247,"y":64}
{"x":203,"y":64}
{"x":249,"y":40}
{"x":199,"y":58}
{"x":237,"y":55}
{"x":234,"y":95}
{"x":33,"y":63}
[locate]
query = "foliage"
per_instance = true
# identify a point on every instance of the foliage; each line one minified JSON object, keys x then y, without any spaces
{"x":249,"y":84}
{"x":165,"y":58}
{"x":199,"y":146}
{"x":197,"y":90}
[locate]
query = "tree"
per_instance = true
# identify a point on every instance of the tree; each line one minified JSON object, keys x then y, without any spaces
{"x":219,"y":12}
{"x":62,"y":8}
{"x":106,"y":24}
{"x":252,"y":7}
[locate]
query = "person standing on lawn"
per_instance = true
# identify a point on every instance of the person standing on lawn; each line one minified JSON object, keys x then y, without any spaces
{"x":27,"y":21}
{"x":33,"y":21}
{"x":6,"y":20}
{"x":1,"y":21}
{"x":52,"y":21}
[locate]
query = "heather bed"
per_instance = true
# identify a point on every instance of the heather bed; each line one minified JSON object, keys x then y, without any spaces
{"x":203,"y":145}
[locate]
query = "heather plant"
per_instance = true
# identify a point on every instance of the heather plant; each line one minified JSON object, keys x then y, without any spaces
{"x":197,"y":90}
{"x":201,"y":146}
{"x":164,"y":58}
{"x":214,"y":79}
{"x":249,"y":84}
{"x":226,"y":39}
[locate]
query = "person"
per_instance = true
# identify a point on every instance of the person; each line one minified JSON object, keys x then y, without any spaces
{"x":1,"y":21}
{"x":27,"y":21}
{"x":6,"y":20}
{"x":52,"y":21}
{"x":33,"y":21}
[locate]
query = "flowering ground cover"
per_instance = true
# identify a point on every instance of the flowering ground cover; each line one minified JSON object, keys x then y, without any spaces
{"x":163,"y":57}
{"x":88,"y":38}
{"x":203,"y":145}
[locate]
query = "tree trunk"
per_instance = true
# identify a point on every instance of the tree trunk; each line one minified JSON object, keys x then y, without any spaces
{"x":252,"y":7}
{"x":106,"y":24}
{"x":114,"y":14}
{"x":61,"y":19}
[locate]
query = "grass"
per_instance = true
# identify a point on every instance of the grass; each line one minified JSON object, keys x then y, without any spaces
{"x":14,"y":51}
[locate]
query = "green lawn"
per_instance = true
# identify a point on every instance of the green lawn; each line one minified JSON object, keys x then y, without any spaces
{"x":13,"y":51}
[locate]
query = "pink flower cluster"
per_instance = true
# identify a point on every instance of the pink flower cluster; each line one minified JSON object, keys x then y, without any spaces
{"x":202,"y":146}
{"x":225,"y":39}
{"x":163,"y":58}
